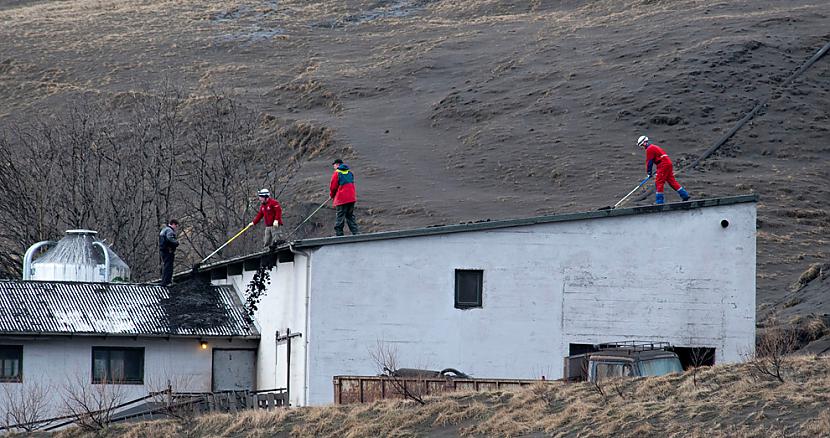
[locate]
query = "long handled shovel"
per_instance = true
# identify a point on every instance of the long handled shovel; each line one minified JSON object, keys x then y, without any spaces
{"x":306,"y":219}
{"x":626,"y":196}
{"x":225,"y":244}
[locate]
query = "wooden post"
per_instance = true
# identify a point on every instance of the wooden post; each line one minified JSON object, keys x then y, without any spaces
{"x":287,"y":337}
{"x":288,"y":363}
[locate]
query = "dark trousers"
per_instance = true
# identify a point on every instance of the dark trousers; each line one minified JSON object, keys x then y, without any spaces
{"x":166,"y":267}
{"x":345,"y":213}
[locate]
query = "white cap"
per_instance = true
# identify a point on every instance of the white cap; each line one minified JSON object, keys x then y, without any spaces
{"x":642,"y":140}
{"x":264,"y":192}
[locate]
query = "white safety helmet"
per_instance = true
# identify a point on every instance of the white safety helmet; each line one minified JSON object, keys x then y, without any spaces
{"x":643,"y":140}
{"x":264,"y":192}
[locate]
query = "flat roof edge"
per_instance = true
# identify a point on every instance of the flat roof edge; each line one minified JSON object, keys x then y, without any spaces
{"x":490,"y":225}
{"x":510,"y":223}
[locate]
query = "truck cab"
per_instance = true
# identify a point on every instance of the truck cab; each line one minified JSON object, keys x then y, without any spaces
{"x":623,"y":359}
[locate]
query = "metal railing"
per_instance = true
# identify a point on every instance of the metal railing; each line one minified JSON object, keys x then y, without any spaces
{"x":168,"y":404}
{"x":635,"y":345}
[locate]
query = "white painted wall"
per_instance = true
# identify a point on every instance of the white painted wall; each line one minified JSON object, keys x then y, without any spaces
{"x":673,"y":276}
{"x":56,"y":362}
{"x":283,"y":307}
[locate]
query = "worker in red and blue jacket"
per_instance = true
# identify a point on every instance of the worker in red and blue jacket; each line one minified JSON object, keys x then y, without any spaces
{"x":343,"y":192}
{"x":665,"y":171}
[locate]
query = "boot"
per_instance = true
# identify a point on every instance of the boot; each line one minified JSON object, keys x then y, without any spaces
{"x":684,"y":195}
{"x":659,"y":199}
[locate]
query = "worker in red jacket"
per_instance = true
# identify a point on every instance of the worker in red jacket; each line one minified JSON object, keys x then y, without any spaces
{"x":271,"y":211}
{"x":343,"y":192}
{"x":665,"y":172}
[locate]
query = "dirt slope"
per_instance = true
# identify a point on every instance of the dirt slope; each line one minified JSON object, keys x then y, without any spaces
{"x":465,"y":110}
{"x":724,"y":401}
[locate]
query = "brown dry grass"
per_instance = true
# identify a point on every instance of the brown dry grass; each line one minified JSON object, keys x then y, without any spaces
{"x":726,"y":402}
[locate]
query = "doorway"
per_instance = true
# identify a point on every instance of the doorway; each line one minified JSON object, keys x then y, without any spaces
{"x":234,"y":369}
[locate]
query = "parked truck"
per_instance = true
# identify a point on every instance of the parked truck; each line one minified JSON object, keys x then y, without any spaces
{"x":623,"y":359}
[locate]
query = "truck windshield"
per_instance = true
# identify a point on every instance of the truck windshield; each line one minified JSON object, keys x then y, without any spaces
{"x":605,"y":370}
{"x":659,"y":367}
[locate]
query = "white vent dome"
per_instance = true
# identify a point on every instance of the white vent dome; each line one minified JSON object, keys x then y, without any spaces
{"x":79,"y":256}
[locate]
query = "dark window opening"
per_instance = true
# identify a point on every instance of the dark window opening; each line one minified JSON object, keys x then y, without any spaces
{"x":695,"y":356}
{"x":235,"y":269}
{"x":468,"y":288}
{"x":268,"y":260}
{"x":580,"y":349}
{"x":11,"y":363}
{"x":286,"y":257}
{"x":250,"y":264}
{"x":117,"y":365}
{"x":220,"y":273}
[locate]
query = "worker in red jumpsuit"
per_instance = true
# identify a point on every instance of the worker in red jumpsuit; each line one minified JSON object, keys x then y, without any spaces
{"x":665,"y":172}
{"x":271,"y":211}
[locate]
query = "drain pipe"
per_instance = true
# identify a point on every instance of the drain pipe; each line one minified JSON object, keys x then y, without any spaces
{"x":307,"y":336}
{"x":106,"y":260}
{"x":27,"y":258}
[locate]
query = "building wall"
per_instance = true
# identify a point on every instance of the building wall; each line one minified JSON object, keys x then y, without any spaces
{"x":674,"y":276}
{"x":281,"y":309}
{"x":60,"y":363}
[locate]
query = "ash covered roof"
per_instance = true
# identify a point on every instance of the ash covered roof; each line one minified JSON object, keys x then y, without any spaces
{"x":112,"y":309}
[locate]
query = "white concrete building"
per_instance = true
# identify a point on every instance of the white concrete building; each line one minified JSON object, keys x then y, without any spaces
{"x":66,"y":336}
{"x":506,"y":299}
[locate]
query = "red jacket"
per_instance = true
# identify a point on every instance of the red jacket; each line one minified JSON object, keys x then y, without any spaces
{"x":655,"y":155}
{"x":270,"y":210}
{"x":342,"y":186}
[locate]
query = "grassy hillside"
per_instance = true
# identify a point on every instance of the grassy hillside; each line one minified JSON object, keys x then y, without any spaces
{"x":471,"y":109}
{"x":723,"y":401}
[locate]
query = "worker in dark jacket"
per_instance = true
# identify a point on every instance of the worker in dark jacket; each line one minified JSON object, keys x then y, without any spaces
{"x":271,"y":211}
{"x":655,"y":155}
{"x":167,"y":250}
{"x":343,"y":192}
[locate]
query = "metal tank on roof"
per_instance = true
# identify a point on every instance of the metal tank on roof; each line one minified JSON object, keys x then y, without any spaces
{"x":78,"y":256}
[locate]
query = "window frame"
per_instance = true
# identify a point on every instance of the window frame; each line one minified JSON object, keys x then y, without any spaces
{"x":110,"y":349}
{"x":19,"y":377}
{"x":479,"y":303}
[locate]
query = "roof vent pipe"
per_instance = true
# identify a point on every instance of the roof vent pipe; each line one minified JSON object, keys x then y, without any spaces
{"x":106,"y":267}
{"x":27,"y":258}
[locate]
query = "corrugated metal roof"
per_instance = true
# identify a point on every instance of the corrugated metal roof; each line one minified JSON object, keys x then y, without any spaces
{"x":485,"y":225}
{"x":67,"y":308}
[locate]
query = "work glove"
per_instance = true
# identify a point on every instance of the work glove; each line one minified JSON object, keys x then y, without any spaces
{"x":251,"y":224}
{"x":276,"y":224}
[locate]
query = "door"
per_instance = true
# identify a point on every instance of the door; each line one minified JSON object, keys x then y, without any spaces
{"x":234,"y":369}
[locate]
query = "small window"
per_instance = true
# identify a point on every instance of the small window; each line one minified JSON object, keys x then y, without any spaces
{"x":117,"y":365}
{"x":607,"y":370}
{"x":660,"y":366}
{"x":468,"y":285}
{"x":11,"y":363}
